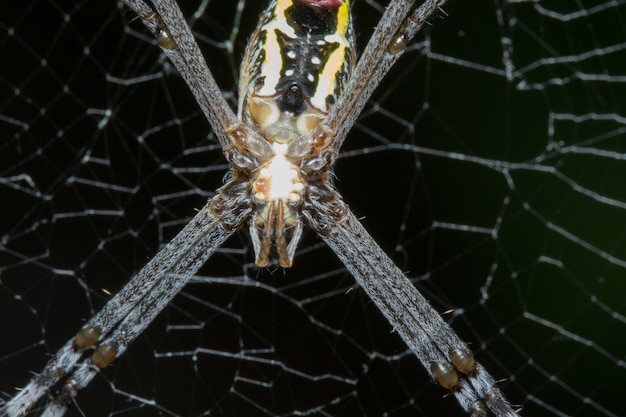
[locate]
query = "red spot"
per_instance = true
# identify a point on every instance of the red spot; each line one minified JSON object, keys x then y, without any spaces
{"x":325,"y":4}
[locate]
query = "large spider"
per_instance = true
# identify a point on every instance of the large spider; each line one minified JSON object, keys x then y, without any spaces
{"x":300,"y":93}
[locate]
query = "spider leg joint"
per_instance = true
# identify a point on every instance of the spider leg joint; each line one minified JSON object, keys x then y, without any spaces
{"x":165,"y":39}
{"x":445,"y":375}
{"x":463,"y":361}
{"x":104,"y":355}
{"x":87,"y":337}
{"x":238,"y":136}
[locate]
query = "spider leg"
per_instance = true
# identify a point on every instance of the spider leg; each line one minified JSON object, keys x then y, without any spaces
{"x":396,"y":29}
{"x":166,"y":21}
{"x":440,"y":350}
{"x":120,"y":321}
{"x":127,"y":314}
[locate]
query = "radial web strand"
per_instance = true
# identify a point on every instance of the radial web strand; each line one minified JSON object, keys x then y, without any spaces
{"x":489,"y":165}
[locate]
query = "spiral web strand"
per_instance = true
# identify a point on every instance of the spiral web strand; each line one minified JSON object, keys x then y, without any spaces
{"x":489,"y":165}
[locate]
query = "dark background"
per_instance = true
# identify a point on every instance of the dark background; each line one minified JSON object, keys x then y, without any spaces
{"x":489,"y":165}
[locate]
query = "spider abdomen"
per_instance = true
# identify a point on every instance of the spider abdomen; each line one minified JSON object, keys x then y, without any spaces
{"x":295,"y":67}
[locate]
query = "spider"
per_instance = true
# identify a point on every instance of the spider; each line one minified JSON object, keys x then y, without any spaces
{"x":301,"y":90}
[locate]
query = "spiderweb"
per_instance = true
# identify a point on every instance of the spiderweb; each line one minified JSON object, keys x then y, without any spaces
{"x":489,"y":165}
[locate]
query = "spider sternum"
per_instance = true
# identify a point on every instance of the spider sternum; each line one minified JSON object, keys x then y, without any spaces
{"x":278,"y":179}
